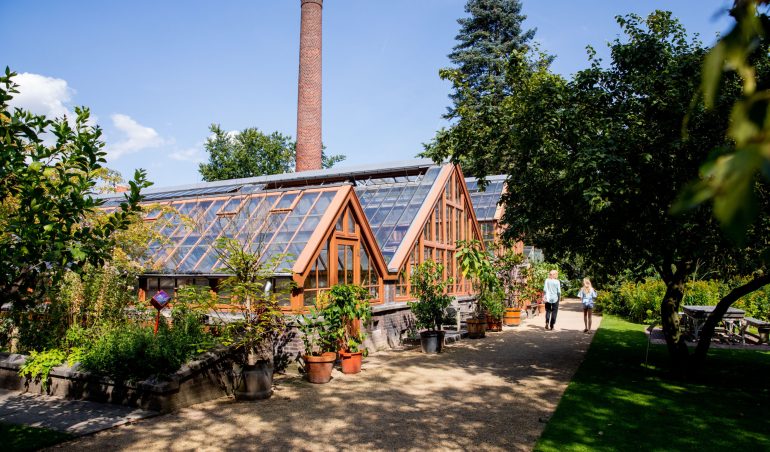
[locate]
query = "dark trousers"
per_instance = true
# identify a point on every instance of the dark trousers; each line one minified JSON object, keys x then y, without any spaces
{"x":551,"y":309}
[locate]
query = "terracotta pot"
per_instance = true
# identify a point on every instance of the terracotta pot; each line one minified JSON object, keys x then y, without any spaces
{"x":512,"y":317}
{"x":494,"y":325}
{"x":476,"y":328}
{"x":351,"y":362}
{"x":319,"y":368}
{"x":540,"y":308}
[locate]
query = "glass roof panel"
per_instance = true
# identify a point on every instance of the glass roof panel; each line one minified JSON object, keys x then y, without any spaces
{"x":485,"y":202}
{"x":391,"y":205}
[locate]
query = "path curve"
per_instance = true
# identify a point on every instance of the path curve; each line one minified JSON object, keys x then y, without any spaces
{"x":488,"y":394}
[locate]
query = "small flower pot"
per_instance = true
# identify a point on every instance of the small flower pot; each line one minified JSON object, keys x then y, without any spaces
{"x":350,"y":362}
{"x":494,"y":325}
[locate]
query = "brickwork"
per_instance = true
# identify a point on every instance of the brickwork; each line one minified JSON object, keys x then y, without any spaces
{"x":309,"y":88}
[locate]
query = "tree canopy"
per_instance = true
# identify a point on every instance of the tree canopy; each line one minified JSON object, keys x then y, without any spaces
{"x":250,"y":153}
{"x":47,"y":205}
{"x":595,"y":163}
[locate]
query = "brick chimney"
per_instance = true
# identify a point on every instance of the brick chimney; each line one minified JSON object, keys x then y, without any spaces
{"x":309,"y":93}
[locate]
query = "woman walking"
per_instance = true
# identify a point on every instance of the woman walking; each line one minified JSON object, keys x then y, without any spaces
{"x":551,"y":297}
{"x":587,"y":296}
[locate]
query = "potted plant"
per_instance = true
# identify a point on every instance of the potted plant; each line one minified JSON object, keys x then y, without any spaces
{"x":346,"y":311}
{"x":510,"y":273}
{"x":261,"y":321}
{"x":320,"y":340}
{"x":475,"y":263}
{"x":494,"y":307}
{"x":429,"y":286}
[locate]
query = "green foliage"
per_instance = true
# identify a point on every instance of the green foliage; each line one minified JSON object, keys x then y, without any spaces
{"x":640,"y":301}
{"x":477,"y":264}
{"x":46,"y":202}
{"x":38,"y":365}
{"x":250,"y":153}
{"x":595,"y":163}
{"x":429,"y":286}
{"x":130,"y":352}
{"x":347,"y":306}
{"x":318,"y":335}
{"x":486,"y":38}
{"x":728,"y":178}
{"x":262,"y":317}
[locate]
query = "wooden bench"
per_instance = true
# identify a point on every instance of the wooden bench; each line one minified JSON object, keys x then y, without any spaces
{"x":763,"y":329}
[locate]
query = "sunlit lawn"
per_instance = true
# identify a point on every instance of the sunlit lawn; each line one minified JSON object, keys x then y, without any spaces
{"x":21,"y":437}
{"x":616,"y":403}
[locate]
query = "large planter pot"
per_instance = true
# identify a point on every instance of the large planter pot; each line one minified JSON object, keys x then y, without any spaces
{"x":494,"y":325}
{"x":256,"y":382}
{"x":540,"y":308}
{"x":350,"y":362}
{"x":319,"y":368}
{"x":432,"y":341}
{"x":512,"y":317}
{"x":476,"y":328}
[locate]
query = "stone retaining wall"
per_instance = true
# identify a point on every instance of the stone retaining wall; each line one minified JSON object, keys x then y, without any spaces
{"x":211,"y":375}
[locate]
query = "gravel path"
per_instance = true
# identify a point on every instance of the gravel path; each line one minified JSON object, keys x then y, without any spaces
{"x":488,"y":394}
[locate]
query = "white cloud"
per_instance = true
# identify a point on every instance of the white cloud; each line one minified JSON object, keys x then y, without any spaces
{"x":136,"y":137}
{"x":42,"y":95}
{"x":194,"y":154}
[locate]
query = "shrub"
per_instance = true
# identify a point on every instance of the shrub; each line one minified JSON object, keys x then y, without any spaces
{"x":131,"y":352}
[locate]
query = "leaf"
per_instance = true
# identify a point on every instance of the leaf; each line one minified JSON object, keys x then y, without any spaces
{"x":712,"y":73}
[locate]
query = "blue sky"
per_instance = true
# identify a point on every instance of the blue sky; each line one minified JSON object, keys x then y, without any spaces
{"x":157,"y":73}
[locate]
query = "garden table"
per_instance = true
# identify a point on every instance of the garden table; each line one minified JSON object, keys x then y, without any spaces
{"x":696,"y":316}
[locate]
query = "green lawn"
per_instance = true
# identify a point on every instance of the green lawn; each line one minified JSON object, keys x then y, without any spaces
{"x":20,"y":437}
{"x":616,"y":403}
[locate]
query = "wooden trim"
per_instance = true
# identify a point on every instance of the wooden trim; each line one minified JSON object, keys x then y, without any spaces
{"x":469,"y":207}
{"x":422,"y":216}
{"x":316,"y":240}
{"x":375,"y":253}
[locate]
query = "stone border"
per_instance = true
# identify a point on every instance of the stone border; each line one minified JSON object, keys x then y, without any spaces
{"x":209,"y":376}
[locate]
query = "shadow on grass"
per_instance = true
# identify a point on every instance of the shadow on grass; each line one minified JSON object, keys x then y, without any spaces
{"x":616,"y":402}
{"x":21,"y":437}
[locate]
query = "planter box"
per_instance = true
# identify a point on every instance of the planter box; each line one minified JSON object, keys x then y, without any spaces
{"x":209,"y":376}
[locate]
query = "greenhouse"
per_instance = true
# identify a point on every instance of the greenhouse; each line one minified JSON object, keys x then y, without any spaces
{"x":368,"y":225}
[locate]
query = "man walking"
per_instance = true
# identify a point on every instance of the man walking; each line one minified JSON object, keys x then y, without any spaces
{"x":551,"y":297}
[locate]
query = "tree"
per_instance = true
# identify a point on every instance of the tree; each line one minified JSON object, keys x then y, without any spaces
{"x":486,"y":39}
{"x":594,"y":164}
{"x":46,"y":194}
{"x":251,"y":153}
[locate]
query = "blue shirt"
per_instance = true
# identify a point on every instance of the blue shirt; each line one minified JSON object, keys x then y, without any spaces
{"x":552,"y":290}
{"x":587,"y":298}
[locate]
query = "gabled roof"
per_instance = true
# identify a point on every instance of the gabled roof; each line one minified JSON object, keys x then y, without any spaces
{"x":486,"y":203}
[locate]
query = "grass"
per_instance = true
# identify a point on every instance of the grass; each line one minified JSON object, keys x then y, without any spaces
{"x":617,"y":402}
{"x":15,"y":437}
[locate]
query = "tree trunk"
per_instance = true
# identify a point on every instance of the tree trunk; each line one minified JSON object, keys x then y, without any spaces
{"x":707,"y":333}
{"x":669,"y":314}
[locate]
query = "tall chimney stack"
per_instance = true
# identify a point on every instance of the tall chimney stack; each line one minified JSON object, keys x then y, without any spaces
{"x":309,"y":94}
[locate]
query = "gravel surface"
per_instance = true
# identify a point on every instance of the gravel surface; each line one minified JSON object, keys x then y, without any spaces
{"x":487,"y":394}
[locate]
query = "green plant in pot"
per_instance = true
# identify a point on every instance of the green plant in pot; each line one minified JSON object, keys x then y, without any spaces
{"x":510,"y":271}
{"x":321,"y":339}
{"x":261,"y":322}
{"x":494,"y":306}
{"x":347,"y":310}
{"x":430,"y":309}
{"x":475,"y":263}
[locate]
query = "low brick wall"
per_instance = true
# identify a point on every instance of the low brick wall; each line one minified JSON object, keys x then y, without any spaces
{"x":211,"y":375}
